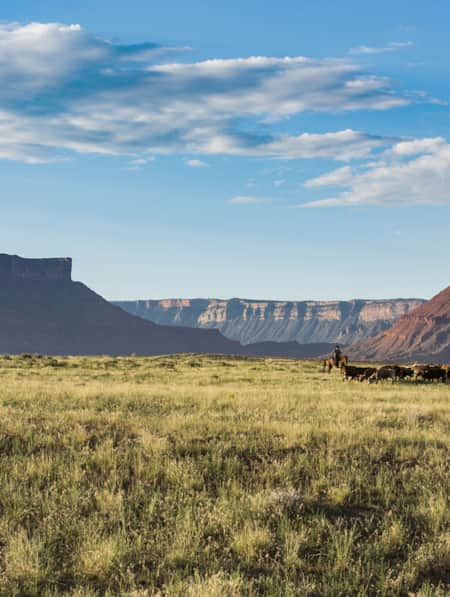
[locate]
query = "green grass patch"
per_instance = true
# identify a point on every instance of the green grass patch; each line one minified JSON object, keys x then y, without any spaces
{"x":208,"y":476}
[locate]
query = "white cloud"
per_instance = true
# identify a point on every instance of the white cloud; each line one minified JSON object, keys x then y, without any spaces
{"x":196,"y":163}
{"x":64,"y":90}
{"x":139,"y":163}
{"x":247,"y":200}
{"x":279,"y":183}
{"x":142,"y":161}
{"x":392,"y":47}
{"x":415,"y":172}
{"x":418,"y":146}
{"x":341,"y":145}
{"x":278,"y":87}
{"x":339,"y":177}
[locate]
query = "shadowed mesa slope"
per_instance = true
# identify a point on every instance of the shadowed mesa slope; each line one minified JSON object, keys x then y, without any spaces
{"x":422,"y":334}
{"x":42,"y":310}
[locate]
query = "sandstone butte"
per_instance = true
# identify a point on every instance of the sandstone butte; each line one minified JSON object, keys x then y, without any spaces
{"x":43,"y":311}
{"x":422,"y":334}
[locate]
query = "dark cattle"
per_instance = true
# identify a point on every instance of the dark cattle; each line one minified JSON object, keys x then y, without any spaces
{"x":434,"y":373}
{"x":368,"y":372}
{"x":430,"y":372}
{"x":351,"y":372}
{"x":405,"y":372}
{"x":384,"y":373}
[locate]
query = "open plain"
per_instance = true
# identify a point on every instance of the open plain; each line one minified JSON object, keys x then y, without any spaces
{"x":210,"y":476}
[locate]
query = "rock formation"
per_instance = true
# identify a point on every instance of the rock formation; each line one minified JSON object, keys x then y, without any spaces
{"x":250,"y":321}
{"x":422,"y":334}
{"x":13,"y":267}
{"x":43,"y":311}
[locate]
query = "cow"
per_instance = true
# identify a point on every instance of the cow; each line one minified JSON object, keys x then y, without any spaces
{"x":418,"y":370}
{"x":384,"y":373}
{"x":426,"y":372}
{"x":405,"y":372}
{"x":352,"y":372}
{"x":432,"y":373}
{"x":368,"y":372}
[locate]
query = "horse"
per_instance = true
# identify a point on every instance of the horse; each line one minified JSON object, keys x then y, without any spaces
{"x":328,"y":364}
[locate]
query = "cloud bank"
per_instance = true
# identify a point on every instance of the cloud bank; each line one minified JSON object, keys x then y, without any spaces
{"x":64,"y":90}
{"x":410,"y":173}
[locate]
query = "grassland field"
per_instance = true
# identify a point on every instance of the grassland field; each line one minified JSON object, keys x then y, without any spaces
{"x":212,"y":476}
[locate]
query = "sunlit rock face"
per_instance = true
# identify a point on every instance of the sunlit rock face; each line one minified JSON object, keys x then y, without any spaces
{"x":421,"y":334}
{"x":13,"y":268}
{"x":250,"y":321}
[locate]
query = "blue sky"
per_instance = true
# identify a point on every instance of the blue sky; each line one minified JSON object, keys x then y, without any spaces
{"x":295,"y":151}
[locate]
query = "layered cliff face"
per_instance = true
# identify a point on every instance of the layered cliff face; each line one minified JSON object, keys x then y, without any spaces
{"x":13,"y":267}
{"x":260,"y":321}
{"x":424,"y":333}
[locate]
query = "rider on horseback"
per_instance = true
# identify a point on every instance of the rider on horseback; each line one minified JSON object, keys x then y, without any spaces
{"x":337,"y":355}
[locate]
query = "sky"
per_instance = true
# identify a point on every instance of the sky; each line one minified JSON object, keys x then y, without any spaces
{"x":291,"y":150}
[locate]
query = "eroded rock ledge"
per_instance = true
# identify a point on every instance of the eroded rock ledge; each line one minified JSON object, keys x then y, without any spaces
{"x":250,"y":321}
{"x":13,"y":267}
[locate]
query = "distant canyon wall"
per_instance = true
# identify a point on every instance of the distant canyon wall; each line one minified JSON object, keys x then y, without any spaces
{"x":249,"y":321}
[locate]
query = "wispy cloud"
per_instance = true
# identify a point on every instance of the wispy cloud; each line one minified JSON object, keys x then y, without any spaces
{"x":247,"y":200}
{"x":64,"y":90}
{"x":392,"y":47}
{"x":411,"y":173}
{"x":196,"y":163}
{"x":139,"y":163}
{"x":335,"y":178}
{"x":340,"y":145}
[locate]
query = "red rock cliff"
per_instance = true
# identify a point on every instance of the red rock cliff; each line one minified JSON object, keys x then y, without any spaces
{"x":422,"y":333}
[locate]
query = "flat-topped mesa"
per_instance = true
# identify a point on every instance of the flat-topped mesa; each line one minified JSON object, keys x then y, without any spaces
{"x":13,"y":267}
{"x":42,"y":311}
{"x":251,"y":321}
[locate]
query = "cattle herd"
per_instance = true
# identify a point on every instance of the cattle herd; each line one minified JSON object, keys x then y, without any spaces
{"x":396,"y":372}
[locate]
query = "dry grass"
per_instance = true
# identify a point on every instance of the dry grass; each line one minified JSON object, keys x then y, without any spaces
{"x":211,"y":476}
